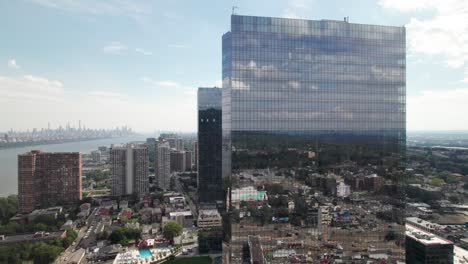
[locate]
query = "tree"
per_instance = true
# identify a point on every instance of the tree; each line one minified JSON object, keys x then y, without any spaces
{"x":116,"y":236}
{"x":267,"y":214}
{"x":171,"y":230}
{"x":103,"y":235}
{"x":437,"y":181}
{"x":44,"y":253}
{"x":124,"y":235}
{"x":273,"y":189}
{"x":8,"y":207}
{"x":454,"y":199}
{"x":391,"y":235}
{"x":40,"y":227}
{"x":71,"y":236}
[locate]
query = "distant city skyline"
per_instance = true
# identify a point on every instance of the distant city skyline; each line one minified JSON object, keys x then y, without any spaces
{"x":139,"y":63}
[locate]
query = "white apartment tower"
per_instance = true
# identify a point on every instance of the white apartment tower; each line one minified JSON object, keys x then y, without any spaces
{"x":129,"y":168}
{"x":163,"y":165}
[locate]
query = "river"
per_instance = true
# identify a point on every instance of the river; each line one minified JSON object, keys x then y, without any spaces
{"x":9,"y":157}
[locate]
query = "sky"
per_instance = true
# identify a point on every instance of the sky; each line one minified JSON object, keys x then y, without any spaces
{"x":110,"y":63}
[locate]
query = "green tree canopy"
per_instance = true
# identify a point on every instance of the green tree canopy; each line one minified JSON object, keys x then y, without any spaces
{"x":171,"y":230}
{"x":8,"y":207}
{"x":437,"y":181}
{"x":44,"y":253}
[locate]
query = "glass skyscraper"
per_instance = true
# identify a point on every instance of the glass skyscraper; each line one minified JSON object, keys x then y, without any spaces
{"x":314,"y":121}
{"x":210,"y":191}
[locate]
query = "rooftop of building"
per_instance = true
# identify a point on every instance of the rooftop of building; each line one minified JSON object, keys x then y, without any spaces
{"x":208,"y":213}
{"x":247,"y":194}
{"x":128,"y":146}
{"x":425,"y":237}
{"x":56,"y":209}
{"x":180,"y":213}
{"x":37,"y":152}
{"x":423,"y":223}
{"x":345,"y":20}
{"x":460,"y":255}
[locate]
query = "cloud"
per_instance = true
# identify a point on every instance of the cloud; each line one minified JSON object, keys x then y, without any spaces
{"x":115,"y":47}
{"x":443,"y":34}
{"x":160,"y":83}
{"x":12,"y":64}
{"x":239,"y":85}
{"x":144,"y":52}
{"x":465,"y":79}
{"x":438,"y":110}
{"x":298,"y":8}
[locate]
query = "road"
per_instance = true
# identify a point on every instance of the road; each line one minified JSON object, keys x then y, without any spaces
{"x":29,"y":238}
{"x":65,"y":255}
{"x":193,"y":207}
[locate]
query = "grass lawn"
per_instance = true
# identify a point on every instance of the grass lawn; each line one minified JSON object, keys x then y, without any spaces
{"x":192,"y":260}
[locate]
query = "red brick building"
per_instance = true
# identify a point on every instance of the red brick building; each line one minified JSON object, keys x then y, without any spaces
{"x":48,"y":179}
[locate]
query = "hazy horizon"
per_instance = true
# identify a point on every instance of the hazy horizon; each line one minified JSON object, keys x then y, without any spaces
{"x":139,"y":63}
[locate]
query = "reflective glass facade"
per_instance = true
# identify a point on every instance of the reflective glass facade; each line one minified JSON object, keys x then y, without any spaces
{"x":314,"y":121}
{"x":209,"y":146}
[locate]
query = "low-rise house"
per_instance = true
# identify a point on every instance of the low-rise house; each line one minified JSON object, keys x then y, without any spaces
{"x":85,"y":208}
{"x":69,"y":224}
{"x":52,"y":212}
{"x":184,"y":218}
{"x":149,"y":215}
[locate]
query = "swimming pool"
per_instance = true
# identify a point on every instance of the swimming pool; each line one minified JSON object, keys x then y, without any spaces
{"x":145,"y":253}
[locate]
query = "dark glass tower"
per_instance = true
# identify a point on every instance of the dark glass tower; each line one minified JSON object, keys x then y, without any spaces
{"x":210,"y":190}
{"x":314,"y":121}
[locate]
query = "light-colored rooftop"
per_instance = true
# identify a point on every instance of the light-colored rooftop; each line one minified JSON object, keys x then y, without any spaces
{"x":425,"y":237}
{"x":460,"y":255}
{"x":423,"y":223}
{"x":180,"y":213}
{"x":248,"y":194}
{"x":208,"y":213}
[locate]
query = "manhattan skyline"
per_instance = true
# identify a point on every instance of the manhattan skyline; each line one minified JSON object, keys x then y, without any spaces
{"x":141,"y":64}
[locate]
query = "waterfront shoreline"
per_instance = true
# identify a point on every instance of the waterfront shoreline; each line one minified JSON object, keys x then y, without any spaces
{"x":48,"y":142}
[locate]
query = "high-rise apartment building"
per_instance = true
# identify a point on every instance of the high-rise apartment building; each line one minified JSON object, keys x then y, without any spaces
{"x":303,"y":99}
{"x":177,"y":161}
{"x":210,"y":183}
{"x":48,"y":179}
{"x":96,"y":155}
{"x":163,"y":165}
{"x":129,"y":169}
{"x":172,"y":142}
{"x":188,"y":160}
{"x":180,"y":144}
{"x":151,"y":143}
{"x":195,"y":153}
